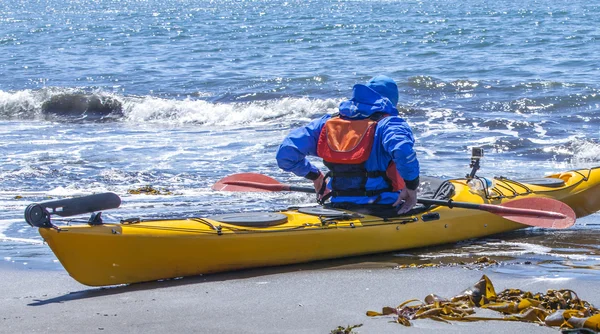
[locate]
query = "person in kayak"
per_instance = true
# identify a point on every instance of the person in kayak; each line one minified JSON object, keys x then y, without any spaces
{"x":367,"y":147}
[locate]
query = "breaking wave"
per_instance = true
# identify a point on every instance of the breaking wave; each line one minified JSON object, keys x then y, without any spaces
{"x":76,"y":105}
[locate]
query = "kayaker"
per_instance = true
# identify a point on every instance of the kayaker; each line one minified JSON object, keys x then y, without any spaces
{"x":367,"y":147}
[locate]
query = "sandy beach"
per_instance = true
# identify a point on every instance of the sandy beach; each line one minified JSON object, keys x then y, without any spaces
{"x":289,"y":299}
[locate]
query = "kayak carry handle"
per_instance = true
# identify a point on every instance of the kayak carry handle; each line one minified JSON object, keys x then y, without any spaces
{"x":38,"y":214}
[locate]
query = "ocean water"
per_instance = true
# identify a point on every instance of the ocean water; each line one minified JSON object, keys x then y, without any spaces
{"x":116,"y":95}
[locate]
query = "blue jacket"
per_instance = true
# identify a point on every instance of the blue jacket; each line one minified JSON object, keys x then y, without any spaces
{"x":393,"y":140}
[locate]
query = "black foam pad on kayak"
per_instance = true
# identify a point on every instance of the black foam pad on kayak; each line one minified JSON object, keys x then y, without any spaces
{"x":550,"y":182}
{"x":253,"y":219}
{"x":84,"y":204}
{"x":39,"y":214}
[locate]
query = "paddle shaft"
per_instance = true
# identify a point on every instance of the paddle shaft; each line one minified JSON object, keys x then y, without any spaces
{"x":497,"y":209}
{"x":492,"y":208}
{"x":270,"y":187}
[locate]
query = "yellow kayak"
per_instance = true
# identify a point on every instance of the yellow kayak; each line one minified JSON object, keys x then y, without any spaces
{"x":101,"y":254}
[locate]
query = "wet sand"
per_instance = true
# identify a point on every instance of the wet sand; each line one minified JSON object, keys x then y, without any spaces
{"x":276,"y":300}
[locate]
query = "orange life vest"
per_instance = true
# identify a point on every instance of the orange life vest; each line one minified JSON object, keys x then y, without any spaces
{"x":345,"y":145}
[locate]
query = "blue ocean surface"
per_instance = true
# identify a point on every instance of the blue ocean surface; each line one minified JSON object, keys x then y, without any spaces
{"x":115,"y":95}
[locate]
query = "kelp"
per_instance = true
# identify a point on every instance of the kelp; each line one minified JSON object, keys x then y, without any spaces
{"x":149,"y":190}
{"x":345,"y":330}
{"x":556,"y":308}
{"x":480,"y":263}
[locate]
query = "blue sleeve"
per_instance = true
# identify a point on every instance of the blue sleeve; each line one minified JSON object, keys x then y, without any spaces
{"x":398,"y":140}
{"x":291,"y":155}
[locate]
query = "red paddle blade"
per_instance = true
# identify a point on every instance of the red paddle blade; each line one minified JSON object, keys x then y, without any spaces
{"x":248,"y":182}
{"x":545,"y":205}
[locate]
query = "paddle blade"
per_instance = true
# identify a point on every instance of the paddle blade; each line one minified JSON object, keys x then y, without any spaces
{"x":249,"y":182}
{"x":547,"y":205}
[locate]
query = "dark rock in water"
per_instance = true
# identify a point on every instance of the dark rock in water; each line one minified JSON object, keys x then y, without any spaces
{"x":83,"y":107}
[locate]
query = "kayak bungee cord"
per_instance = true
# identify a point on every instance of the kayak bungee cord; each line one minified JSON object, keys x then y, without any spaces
{"x":505,"y":183}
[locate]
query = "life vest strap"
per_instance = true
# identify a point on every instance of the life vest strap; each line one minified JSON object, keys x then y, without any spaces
{"x":371,"y":174}
{"x":360,"y":193}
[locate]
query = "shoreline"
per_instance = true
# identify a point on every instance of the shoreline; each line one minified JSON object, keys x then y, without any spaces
{"x":271,"y":300}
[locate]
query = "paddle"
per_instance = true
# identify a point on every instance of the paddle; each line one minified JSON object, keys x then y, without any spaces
{"x":536,"y":211}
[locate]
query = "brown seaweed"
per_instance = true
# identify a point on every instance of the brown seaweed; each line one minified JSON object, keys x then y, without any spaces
{"x":555,"y":308}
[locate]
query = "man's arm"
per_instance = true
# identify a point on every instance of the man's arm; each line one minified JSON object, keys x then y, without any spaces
{"x":398,"y":140}
{"x":299,"y":143}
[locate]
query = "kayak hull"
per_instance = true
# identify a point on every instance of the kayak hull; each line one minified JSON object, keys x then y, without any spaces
{"x":111,"y":254}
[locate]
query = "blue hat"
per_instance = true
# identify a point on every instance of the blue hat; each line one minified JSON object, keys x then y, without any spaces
{"x":385,"y":86}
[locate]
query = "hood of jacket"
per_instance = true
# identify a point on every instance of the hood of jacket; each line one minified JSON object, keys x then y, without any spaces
{"x":365,"y":102}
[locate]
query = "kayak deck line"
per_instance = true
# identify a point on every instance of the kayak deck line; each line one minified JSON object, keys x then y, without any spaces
{"x":222,"y":229}
{"x":138,"y":250}
{"x":505,"y":183}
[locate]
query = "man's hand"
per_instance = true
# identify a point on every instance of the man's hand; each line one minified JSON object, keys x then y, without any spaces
{"x":318,"y":183}
{"x":408,"y":199}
